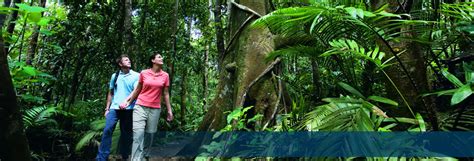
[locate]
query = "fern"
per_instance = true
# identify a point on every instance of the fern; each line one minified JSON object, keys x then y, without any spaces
{"x":38,"y":116}
{"x":93,"y":136}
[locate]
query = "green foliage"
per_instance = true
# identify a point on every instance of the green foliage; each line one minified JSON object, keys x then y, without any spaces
{"x":40,"y":116}
{"x":357,"y":113}
{"x":352,"y":48}
{"x":24,"y":76}
{"x":459,"y":120}
{"x":93,"y":135}
{"x":237,"y":119}
{"x":462,"y":90}
{"x":32,"y":12}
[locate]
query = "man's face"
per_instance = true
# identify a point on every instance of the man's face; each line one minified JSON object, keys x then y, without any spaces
{"x":125,"y":62}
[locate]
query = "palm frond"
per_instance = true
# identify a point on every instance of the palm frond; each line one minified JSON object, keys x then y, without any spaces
{"x":457,"y":121}
{"x":328,"y":23}
{"x":298,"y":50}
{"x":463,"y":11}
{"x":38,"y":116}
{"x":345,"y":46}
{"x":341,"y":114}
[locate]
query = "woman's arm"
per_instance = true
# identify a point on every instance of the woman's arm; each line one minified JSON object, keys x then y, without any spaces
{"x":168,"y":105}
{"x":132,"y":96}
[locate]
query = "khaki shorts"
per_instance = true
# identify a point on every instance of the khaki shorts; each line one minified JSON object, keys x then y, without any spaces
{"x":146,"y":118}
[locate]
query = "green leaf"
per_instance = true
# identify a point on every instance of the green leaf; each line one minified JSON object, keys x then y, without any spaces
{"x":34,"y":17}
{"x":351,"y":89}
{"x":30,"y":9}
{"x":315,"y":21}
{"x":369,"y":14}
{"x":31,"y":98}
{"x":29,"y":70}
{"x":440,"y":93}
{"x":468,"y":73}
{"x":469,"y":29}
{"x":453,"y":79}
{"x":351,"y":11}
{"x":43,"y":21}
{"x":233,"y":115}
{"x":387,"y":14}
{"x":46,"y":32}
{"x":6,"y":9}
{"x":383,"y":100}
{"x":461,"y":94}
{"x":421,"y":122}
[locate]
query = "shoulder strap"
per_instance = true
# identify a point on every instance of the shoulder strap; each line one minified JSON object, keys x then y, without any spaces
{"x":115,"y":80}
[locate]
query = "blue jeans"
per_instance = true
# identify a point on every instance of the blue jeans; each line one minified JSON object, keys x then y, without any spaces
{"x":125,"y":142}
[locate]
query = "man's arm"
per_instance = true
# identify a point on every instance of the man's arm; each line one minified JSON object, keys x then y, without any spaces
{"x":109,"y":101}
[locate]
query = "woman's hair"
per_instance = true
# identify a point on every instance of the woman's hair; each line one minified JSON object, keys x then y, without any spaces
{"x":119,"y":59}
{"x":150,"y":63}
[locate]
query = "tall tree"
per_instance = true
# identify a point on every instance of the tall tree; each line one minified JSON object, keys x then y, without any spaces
{"x":414,"y":80}
{"x":34,"y":39}
{"x":219,"y":30}
{"x":127,"y":25}
{"x":11,"y":23}
{"x":12,"y":138}
{"x":174,"y":45}
{"x":205,"y":75}
{"x":245,"y":79}
{"x":184,"y":94}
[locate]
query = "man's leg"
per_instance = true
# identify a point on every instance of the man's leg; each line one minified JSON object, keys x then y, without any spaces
{"x":139,"y":122}
{"x":106,"y":143}
{"x":125,"y":143}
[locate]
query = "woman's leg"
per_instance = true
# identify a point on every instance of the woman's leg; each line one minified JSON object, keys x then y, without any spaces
{"x":139,"y":123}
{"x":151,"y":128}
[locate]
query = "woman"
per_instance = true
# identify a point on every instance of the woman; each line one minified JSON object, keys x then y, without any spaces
{"x":151,"y":84}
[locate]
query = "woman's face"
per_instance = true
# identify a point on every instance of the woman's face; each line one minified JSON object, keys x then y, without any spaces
{"x":158,"y":59}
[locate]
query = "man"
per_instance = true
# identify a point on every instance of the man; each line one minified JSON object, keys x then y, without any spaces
{"x":121,"y":86}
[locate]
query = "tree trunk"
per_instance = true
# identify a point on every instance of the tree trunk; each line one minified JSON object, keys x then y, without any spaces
{"x":183,"y":96}
{"x":143,"y":31}
{"x":316,"y":81}
{"x":174,"y":45}
{"x":11,"y":23}
{"x":127,"y":26}
{"x":79,"y":71}
{"x":205,"y":77}
{"x":219,"y":32}
{"x":2,"y":16}
{"x":415,"y":82}
{"x":245,"y":79}
{"x":120,"y":27}
{"x":34,"y":40}
{"x":12,"y":138}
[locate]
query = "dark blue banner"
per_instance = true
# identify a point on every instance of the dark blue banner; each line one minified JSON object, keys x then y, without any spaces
{"x":314,"y":144}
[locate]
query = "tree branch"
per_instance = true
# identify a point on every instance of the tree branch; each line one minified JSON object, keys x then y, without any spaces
{"x":245,"y":8}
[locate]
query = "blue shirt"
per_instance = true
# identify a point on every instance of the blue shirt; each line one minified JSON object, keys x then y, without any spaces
{"x":125,"y":85}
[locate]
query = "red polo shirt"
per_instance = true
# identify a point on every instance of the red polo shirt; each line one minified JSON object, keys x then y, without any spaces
{"x":152,"y":87}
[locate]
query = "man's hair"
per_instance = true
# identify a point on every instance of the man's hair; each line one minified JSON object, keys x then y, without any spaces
{"x":119,"y":59}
